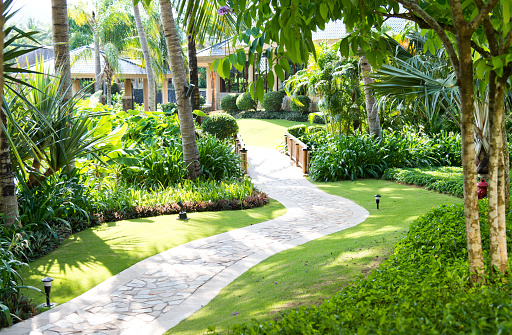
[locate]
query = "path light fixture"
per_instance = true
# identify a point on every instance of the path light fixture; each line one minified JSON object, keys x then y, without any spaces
{"x":182,"y":214}
{"x":190,"y":90}
{"x":47,"y":281}
{"x":482,"y":188}
{"x":377,"y":200}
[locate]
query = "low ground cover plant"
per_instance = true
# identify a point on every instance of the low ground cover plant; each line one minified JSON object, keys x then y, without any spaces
{"x":446,"y":179}
{"x":423,"y":288}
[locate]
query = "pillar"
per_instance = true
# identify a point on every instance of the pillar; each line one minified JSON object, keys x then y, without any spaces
{"x":216,"y":91}
{"x":145,"y":89}
{"x":165,"y":90}
{"x":209,"y":86}
{"x":127,"y":97}
{"x":76,"y":86}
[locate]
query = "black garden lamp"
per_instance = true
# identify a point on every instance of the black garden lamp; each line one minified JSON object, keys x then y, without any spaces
{"x":47,"y":281}
{"x":182,"y":214}
{"x":377,"y":200}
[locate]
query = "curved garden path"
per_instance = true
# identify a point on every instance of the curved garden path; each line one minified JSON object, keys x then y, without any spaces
{"x":156,"y":294}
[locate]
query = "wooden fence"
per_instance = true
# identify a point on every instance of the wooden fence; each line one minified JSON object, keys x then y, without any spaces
{"x":298,"y":152}
{"x":241,"y":151}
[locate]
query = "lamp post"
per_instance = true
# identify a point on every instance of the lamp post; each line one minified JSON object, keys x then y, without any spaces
{"x":47,"y":281}
{"x":182,"y":214}
{"x":377,"y":200}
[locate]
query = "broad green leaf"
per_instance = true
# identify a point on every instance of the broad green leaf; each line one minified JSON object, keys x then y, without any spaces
{"x":285,"y":65}
{"x":344,"y":47}
{"x":260,"y":91}
{"x":226,"y":68}
{"x":241,"y":57}
{"x":270,"y":80}
{"x":279,"y":72}
{"x":199,"y":112}
{"x":233,"y":58}
{"x":220,"y":67}
{"x":324,"y":10}
{"x":507,"y":11}
{"x":255,"y":31}
{"x":480,"y":69}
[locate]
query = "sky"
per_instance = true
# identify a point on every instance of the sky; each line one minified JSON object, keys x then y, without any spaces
{"x":39,"y":9}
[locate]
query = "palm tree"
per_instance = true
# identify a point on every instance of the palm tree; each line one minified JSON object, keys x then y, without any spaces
{"x":61,"y":44}
{"x":147,"y":57}
{"x":188,"y":136}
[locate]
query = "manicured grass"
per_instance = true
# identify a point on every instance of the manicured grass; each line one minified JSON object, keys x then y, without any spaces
{"x":264,"y":133}
{"x":310,"y":273}
{"x":94,"y":255}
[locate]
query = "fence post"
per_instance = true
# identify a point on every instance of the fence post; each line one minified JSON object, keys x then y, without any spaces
{"x":297,"y":154}
{"x":244,"y":159}
{"x":305,"y":160}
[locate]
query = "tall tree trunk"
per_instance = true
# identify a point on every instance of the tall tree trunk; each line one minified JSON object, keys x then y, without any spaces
{"x":8,"y":199}
{"x":192,"y":66}
{"x":97,"y":62}
{"x":371,"y":106}
{"x":61,"y":45}
{"x":179,"y":79}
{"x":109,"y":74}
{"x":465,"y":83}
{"x":147,"y":58}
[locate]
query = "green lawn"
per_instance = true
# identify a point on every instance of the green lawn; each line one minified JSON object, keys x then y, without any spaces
{"x":264,"y":133}
{"x":90,"y":257}
{"x":310,"y":273}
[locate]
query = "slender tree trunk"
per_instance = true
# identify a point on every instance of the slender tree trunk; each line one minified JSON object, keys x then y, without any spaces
{"x":61,"y":45}
{"x":506,"y":164}
{"x":179,"y":78}
{"x":97,"y":62}
{"x":109,"y":74}
{"x":8,"y":199}
{"x":465,"y":83}
{"x":371,"y":106}
{"x":192,"y":66}
{"x":147,"y":58}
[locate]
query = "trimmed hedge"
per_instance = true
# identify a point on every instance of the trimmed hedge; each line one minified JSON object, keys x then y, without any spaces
{"x":305,"y":100}
{"x":221,"y":125}
{"x":273,"y":101}
{"x":284,"y":115}
{"x":423,"y":288}
{"x":245,"y":102}
{"x":445,"y":179}
{"x":297,"y":130}
{"x":228,"y":103}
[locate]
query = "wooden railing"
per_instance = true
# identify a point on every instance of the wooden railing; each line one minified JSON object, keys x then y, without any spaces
{"x":241,"y":151}
{"x":298,"y":152}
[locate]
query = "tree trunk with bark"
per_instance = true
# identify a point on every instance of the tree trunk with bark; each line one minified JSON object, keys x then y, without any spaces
{"x":8,"y":199}
{"x":371,"y":105}
{"x":192,"y":66}
{"x":147,"y":58}
{"x":179,"y":78}
{"x":465,"y":83}
{"x":61,"y":46}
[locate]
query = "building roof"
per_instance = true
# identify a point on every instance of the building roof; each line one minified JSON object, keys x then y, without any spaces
{"x":82,"y":64}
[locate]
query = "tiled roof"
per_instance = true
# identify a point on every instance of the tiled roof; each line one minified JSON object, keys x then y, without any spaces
{"x":82,"y":62}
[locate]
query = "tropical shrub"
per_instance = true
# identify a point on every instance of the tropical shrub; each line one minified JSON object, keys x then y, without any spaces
{"x":169,"y":108}
{"x":315,"y":129}
{"x":446,"y":179}
{"x":297,"y":130}
{"x":352,"y":157}
{"x":303,"y":107}
{"x":272,"y":101}
{"x":228,"y":103}
{"x":218,"y":159}
{"x":423,"y":288}
{"x":221,"y":125}
{"x":245,"y":102}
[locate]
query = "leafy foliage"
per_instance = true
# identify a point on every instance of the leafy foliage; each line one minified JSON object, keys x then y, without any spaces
{"x":297,"y":130}
{"x":302,"y":106}
{"x":272,"y":101}
{"x":245,"y":102}
{"x":221,"y":125}
{"x":352,"y":157}
{"x":423,"y":288}
{"x":218,"y":159}
{"x":445,"y":179}
{"x":284,"y":115}
{"x":228,"y":103}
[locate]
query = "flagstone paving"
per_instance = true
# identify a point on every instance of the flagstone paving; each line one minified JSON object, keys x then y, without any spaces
{"x":156,"y":294}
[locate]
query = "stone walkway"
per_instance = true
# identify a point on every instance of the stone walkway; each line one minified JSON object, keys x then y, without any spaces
{"x":156,"y":294}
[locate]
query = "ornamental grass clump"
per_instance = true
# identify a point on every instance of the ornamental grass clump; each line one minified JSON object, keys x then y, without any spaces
{"x":423,"y":288}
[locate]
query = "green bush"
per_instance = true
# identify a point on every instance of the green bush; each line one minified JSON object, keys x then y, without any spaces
{"x":218,"y":159}
{"x":304,"y":100}
{"x":284,"y":115}
{"x":272,"y":101}
{"x":423,"y":288}
{"x":352,"y":157}
{"x":297,"y":130}
{"x":315,"y":129}
{"x":168,"y":108}
{"x":221,"y":125}
{"x":228,"y":103}
{"x":245,"y":102}
{"x":446,"y":179}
